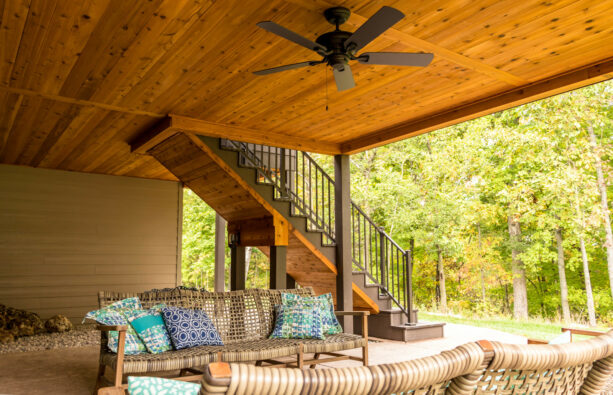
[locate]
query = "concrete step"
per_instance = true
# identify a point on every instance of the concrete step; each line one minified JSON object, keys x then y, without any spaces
{"x":379,"y":325}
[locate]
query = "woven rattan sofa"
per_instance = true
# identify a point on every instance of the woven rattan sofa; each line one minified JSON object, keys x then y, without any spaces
{"x":244,"y":320}
{"x":483,"y":368}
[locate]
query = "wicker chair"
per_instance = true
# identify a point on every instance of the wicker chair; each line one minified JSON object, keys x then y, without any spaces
{"x":244,"y":320}
{"x":475,"y":368}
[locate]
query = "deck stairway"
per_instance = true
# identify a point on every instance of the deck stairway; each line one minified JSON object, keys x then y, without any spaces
{"x":249,"y":182}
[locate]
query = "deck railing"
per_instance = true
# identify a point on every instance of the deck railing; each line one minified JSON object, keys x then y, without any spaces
{"x":297,"y":178}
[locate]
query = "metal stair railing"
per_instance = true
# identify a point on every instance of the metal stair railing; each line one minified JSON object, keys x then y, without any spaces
{"x":297,"y":178}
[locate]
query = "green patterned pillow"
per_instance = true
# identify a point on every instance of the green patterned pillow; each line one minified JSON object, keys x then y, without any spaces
{"x":115,"y":314}
{"x":298,"y":321}
{"x":329,"y":321}
{"x":157,"y":386}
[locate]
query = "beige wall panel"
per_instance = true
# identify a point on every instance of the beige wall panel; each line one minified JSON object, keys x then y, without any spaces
{"x":64,"y":236}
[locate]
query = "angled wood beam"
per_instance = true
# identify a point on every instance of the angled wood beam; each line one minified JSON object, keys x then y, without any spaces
{"x":444,"y":53}
{"x":212,"y":129}
{"x":552,"y":86}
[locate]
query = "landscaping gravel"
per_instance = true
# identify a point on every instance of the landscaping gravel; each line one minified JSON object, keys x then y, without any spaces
{"x":81,"y":336}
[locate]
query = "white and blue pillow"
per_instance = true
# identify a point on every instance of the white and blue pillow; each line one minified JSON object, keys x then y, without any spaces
{"x":115,"y":314}
{"x":142,"y":385}
{"x":190,"y":328}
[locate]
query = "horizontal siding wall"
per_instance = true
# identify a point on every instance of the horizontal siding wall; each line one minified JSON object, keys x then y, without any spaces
{"x":64,"y":236}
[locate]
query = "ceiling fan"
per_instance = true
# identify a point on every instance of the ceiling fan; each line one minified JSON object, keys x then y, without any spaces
{"x":338,"y":47}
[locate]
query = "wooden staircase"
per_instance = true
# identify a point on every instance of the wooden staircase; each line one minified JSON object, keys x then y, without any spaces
{"x":280,"y":202}
{"x":204,"y":168}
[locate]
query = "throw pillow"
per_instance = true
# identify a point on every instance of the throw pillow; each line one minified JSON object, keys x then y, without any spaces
{"x":190,"y":328}
{"x":330,"y":323}
{"x":156,"y":385}
{"x":151,"y":329}
{"x":114,"y":314}
{"x":298,"y":321}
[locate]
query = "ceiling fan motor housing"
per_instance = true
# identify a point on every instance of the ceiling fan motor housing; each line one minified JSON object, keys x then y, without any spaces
{"x":335,"y":42}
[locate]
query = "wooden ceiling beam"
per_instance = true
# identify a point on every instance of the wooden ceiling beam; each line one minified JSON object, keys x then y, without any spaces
{"x":175,"y":123}
{"x":539,"y":90}
{"x":80,"y":102}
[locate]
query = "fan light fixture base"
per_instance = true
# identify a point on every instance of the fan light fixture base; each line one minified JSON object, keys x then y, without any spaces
{"x":337,"y":15}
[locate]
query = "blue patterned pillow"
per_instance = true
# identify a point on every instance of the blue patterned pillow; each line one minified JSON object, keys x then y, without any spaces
{"x":152,"y":331}
{"x":115,"y":314}
{"x":328,"y":318}
{"x":298,"y":321}
{"x":190,"y":328}
{"x":138,"y":385}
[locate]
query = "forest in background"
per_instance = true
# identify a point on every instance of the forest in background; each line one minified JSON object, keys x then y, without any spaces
{"x":508,"y":213}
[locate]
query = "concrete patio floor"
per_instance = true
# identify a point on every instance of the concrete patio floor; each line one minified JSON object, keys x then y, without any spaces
{"x":72,"y":370}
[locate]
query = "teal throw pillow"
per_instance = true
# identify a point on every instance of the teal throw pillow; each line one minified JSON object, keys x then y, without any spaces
{"x":298,"y":321}
{"x":152,"y":331}
{"x":330,"y":323}
{"x":138,"y":385}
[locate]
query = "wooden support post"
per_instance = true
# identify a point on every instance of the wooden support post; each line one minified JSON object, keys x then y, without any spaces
{"x":342,"y":200}
{"x":237,"y":267}
{"x":220,"y":253}
{"x":290,"y":282}
{"x":278,"y":273}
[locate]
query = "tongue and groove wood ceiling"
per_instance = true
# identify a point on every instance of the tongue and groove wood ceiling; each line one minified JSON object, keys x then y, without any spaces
{"x":80,"y":80}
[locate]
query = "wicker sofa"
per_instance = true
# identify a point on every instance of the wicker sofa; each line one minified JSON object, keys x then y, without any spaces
{"x":244,"y":320}
{"x":483,"y":368}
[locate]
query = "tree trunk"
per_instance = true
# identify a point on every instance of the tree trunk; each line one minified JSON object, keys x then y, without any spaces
{"x":440,"y":276}
{"x":520,"y":294}
{"x":602,"y":187}
{"x":562,"y":274}
{"x":481,"y":268}
{"x":588,"y":284}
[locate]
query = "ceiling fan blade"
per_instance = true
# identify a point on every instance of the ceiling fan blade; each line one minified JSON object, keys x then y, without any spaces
{"x":396,"y":58}
{"x":383,"y":19}
{"x":291,"y":36}
{"x":286,"y":67}
{"x":344,"y":78}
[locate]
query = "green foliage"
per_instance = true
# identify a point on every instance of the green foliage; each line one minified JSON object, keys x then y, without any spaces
{"x":533,"y":163}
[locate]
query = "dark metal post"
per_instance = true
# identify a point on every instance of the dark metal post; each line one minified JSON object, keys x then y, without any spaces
{"x":409,"y":281}
{"x":278,"y":273}
{"x":237,"y":266}
{"x":342,"y":200}
{"x":220,"y":253}
{"x":383,"y":258}
{"x":283,"y":175}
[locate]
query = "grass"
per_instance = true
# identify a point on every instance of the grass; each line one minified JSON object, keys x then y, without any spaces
{"x":534,"y":329}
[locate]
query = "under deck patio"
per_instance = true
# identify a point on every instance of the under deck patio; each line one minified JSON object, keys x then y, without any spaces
{"x":72,"y":370}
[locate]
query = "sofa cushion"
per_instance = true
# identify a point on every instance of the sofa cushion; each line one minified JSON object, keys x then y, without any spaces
{"x":298,"y":321}
{"x":330,"y":323}
{"x":190,"y":328}
{"x":242,"y":351}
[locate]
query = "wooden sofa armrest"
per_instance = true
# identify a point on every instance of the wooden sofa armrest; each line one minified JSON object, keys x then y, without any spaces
{"x":537,"y":341}
{"x":362,"y":313}
{"x":217,"y":374}
{"x":108,"y":328}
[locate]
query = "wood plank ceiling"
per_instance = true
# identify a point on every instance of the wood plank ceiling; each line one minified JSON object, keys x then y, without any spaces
{"x":79,"y":79}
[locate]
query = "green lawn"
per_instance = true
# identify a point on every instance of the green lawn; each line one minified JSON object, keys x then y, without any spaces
{"x":530,"y":328}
